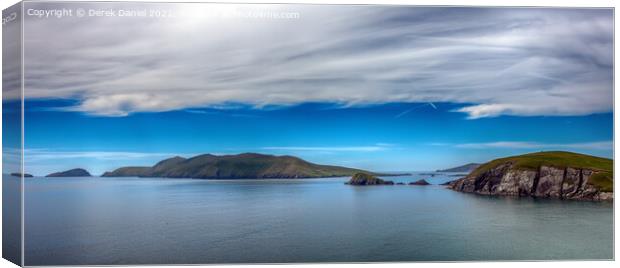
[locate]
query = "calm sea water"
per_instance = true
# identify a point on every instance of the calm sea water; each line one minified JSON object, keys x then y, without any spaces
{"x":181,"y":221}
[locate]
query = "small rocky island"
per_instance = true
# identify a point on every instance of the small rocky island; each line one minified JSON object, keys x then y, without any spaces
{"x":421,"y":182}
{"x":562,"y":175}
{"x":367,"y":179}
{"x":362,"y":178}
{"x":76,"y":172}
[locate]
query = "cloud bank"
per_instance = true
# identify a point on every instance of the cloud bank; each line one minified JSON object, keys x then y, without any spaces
{"x":598,"y":145}
{"x":495,"y":61}
{"x":374,"y":148}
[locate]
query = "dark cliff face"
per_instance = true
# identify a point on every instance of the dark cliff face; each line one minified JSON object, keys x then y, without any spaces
{"x":76,"y":172}
{"x":545,"y":182}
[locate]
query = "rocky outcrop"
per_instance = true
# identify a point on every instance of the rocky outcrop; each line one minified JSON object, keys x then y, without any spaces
{"x":546,"y":182}
{"x":367,"y":179}
{"x":421,"y":182}
{"x":76,"y":172}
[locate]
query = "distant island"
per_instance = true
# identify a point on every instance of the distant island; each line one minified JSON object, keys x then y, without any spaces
{"x":464,"y":168}
{"x":26,"y":175}
{"x":562,"y":175}
{"x":76,"y":172}
{"x":239,"y":166}
{"x":556,"y":174}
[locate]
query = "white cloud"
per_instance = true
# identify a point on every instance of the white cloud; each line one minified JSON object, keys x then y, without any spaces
{"x":438,"y":144}
{"x":36,"y":155}
{"x":495,"y":61}
{"x":42,"y":161}
{"x":378,"y":147}
{"x":601,"y":145}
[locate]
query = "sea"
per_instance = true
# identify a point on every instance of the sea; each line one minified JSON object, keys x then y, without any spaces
{"x":124,"y":221}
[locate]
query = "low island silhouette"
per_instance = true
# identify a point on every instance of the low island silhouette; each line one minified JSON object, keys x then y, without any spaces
{"x":554,"y":174}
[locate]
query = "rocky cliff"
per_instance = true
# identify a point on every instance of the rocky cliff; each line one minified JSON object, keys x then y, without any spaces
{"x":579,"y":178}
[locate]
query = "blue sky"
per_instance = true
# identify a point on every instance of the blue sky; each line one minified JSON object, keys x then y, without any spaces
{"x":387,"y":137}
{"x":375,"y":87}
